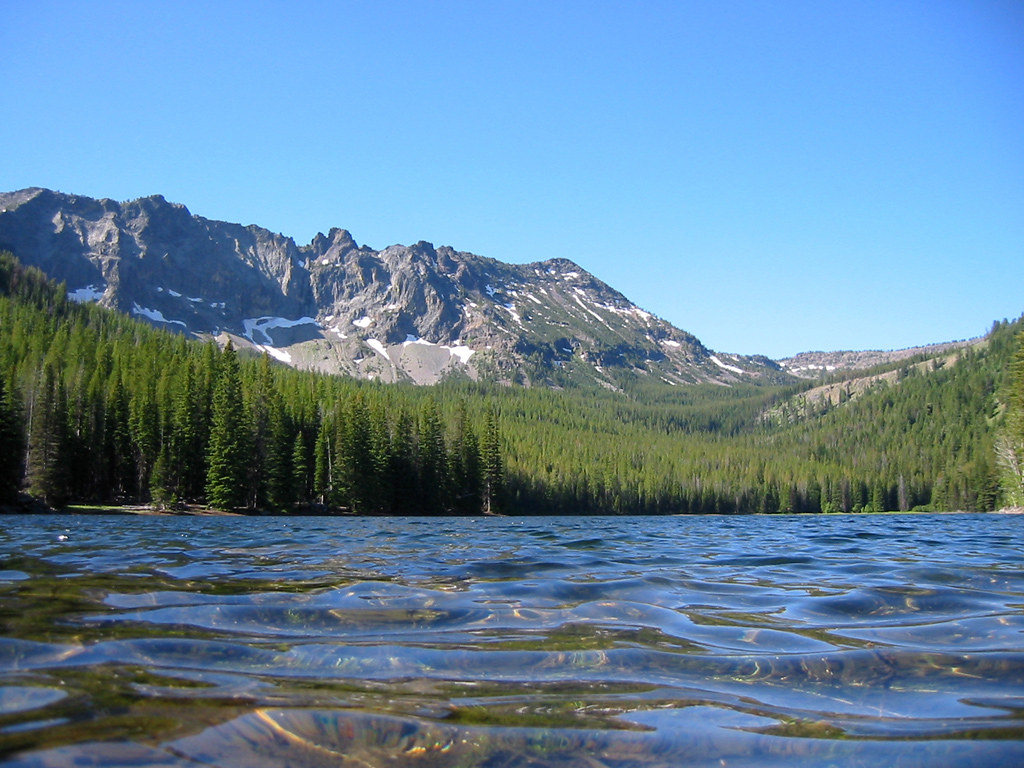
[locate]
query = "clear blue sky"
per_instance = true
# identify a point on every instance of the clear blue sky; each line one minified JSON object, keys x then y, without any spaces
{"x":773,"y":177}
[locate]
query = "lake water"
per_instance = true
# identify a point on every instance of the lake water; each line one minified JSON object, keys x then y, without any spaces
{"x":681,"y":641}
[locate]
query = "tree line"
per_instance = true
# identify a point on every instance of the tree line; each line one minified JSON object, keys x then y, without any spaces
{"x":96,"y":407}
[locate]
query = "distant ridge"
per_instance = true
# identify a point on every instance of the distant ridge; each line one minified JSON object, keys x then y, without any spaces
{"x":811,"y":365}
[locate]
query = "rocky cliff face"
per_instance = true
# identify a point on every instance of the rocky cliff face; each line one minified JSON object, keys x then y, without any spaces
{"x":415,"y":312}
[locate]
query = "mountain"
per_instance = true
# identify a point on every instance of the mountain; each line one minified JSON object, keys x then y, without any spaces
{"x":813,"y":365}
{"x":405,"y":313}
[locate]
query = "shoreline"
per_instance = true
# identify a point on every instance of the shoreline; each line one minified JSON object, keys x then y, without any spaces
{"x":147,"y":510}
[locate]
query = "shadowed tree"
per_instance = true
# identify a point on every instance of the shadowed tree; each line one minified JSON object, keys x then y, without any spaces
{"x":11,"y":446}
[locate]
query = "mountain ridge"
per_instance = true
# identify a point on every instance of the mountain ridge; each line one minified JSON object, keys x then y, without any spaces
{"x":414,"y":313}
{"x":818,"y":363}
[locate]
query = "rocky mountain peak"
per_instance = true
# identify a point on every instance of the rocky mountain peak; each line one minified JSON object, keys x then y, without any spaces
{"x":338,"y":240}
{"x":416,"y":312}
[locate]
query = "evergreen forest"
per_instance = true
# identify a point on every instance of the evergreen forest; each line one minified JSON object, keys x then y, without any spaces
{"x":97,"y":408}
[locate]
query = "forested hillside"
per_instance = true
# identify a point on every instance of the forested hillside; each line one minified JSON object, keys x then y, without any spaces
{"x":917,"y":441}
{"x":98,"y":408}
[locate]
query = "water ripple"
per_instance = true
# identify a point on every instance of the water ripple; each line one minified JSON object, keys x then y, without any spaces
{"x":611,"y":642}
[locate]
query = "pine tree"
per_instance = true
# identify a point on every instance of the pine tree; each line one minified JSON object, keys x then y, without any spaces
{"x":145,"y":431}
{"x":46,"y":462}
{"x":12,"y":448}
{"x":278,"y":486}
{"x":229,"y":451}
{"x":466,"y":466}
{"x":301,"y":484}
{"x":403,"y":471}
{"x":190,"y":435}
{"x":432,"y":460}
{"x":260,"y":405}
{"x":493,"y":469}
{"x":161,"y":482}
{"x":118,"y":457}
{"x":381,"y":460}
{"x":95,"y":484}
{"x":323,"y":466}
{"x":353,"y":466}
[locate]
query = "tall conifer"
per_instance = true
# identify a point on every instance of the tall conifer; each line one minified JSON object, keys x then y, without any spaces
{"x":300,"y":469}
{"x":435,"y":480}
{"x":493,"y":468}
{"x":228,"y":454}
{"x":46,"y":469}
{"x":323,"y":470}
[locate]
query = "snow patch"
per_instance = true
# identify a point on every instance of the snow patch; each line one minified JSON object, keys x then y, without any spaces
{"x":278,"y":354}
{"x":490,"y":290}
{"x":155,"y":315}
{"x":809,"y":367}
{"x":177,"y":295}
{"x":461,"y":351}
{"x":615,"y":309}
{"x":362,"y":322}
{"x":89,"y":293}
{"x":726,"y":366}
{"x":379,"y":348}
{"x":512,"y":311}
{"x":263,"y":324}
{"x":589,"y":310}
{"x":670,"y":343}
{"x":456,"y":350}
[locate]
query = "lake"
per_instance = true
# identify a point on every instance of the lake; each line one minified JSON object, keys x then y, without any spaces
{"x":678,"y":641}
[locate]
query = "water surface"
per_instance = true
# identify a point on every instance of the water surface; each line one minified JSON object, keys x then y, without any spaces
{"x":704,"y":641}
